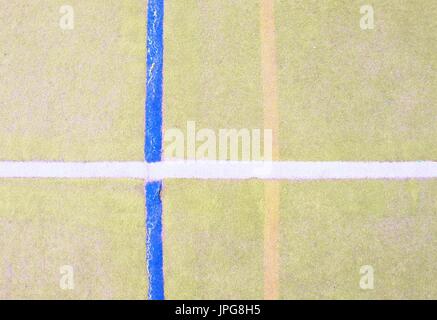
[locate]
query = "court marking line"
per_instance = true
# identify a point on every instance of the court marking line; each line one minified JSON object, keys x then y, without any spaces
{"x":219,"y":170}
{"x":153,"y":146}
{"x":269,"y":79}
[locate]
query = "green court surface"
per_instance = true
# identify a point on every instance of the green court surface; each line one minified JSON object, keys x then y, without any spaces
{"x":352,"y":94}
{"x":96,"y":227}
{"x":343,"y":94}
{"x":213,"y":239}
{"x":72,"y":95}
{"x":212,"y":65}
{"x":328,"y":230}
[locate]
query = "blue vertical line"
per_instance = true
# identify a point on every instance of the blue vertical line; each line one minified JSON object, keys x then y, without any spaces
{"x":153,"y":147}
{"x":154,"y":240}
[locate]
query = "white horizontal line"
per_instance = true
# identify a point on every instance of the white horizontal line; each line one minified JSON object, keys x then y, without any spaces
{"x":79,"y":170}
{"x":285,"y":170}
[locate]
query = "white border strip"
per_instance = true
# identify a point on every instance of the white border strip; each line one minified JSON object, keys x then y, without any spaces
{"x":75,"y":170}
{"x":284,"y":170}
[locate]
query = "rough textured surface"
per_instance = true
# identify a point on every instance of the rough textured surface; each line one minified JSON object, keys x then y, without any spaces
{"x":213,"y":239}
{"x":96,"y":227}
{"x":344,"y":94}
{"x":329,"y":230}
{"x":72,"y":94}
{"x":352,"y":94}
{"x":212,"y":65}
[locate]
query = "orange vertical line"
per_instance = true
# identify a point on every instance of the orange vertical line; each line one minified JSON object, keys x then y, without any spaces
{"x":269,"y":71}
